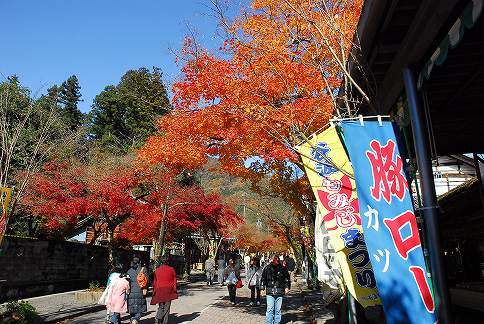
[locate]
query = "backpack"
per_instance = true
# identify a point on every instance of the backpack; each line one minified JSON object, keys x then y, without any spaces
{"x":141,"y":278}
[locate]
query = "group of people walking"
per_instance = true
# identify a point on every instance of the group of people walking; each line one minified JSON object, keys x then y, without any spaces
{"x":274,"y":278}
{"x":126,"y":292}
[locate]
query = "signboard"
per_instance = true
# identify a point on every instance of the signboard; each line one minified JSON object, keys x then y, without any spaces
{"x":6,"y":197}
{"x":389,"y":223}
{"x":330,"y":174}
{"x":329,"y":271}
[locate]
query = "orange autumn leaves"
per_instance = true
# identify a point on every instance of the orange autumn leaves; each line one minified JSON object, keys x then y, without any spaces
{"x":267,"y":83}
{"x":253,"y":240}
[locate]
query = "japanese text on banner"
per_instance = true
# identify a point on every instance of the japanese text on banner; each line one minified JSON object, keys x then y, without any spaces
{"x":328,"y":171}
{"x":6,"y":197}
{"x":389,"y":222}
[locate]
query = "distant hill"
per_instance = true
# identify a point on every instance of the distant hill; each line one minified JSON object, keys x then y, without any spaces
{"x":236,"y":192}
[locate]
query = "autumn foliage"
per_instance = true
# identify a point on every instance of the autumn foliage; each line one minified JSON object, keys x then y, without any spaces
{"x":190,"y":211}
{"x":274,"y":80}
{"x":252,"y":240}
{"x":65,"y":193}
{"x":268,"y":84}
{"x":124,"y":200}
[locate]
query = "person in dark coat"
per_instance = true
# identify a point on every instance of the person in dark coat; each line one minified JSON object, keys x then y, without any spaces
{"x":136,"y":298}
{"x":275,"y":280}
{"x":290,"y":265}
{"x":164,"y":290}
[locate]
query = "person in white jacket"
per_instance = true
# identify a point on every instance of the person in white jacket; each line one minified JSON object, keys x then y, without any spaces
{"x":246,"y":262}
{"x":254,"y":274}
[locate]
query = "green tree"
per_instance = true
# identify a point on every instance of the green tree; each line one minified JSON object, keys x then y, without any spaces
{"x":124,"y":115}
{"x":31,"y":133}
{"x":53,"y":94}
{"x":108,"y":118}
{"x":70,"y":95}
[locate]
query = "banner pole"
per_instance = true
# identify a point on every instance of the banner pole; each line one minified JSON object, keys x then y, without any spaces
{"x":429,"y":199}
{"x":352,"y":309}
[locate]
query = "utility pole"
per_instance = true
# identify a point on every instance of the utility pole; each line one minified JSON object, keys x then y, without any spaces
{"x":429,"y":198}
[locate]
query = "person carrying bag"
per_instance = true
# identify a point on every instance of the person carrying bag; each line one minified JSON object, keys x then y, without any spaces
{"x":232,"y":280}
{"x":254,"y":273}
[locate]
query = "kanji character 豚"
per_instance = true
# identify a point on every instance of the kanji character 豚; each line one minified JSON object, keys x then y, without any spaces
{"x":388,"y":177}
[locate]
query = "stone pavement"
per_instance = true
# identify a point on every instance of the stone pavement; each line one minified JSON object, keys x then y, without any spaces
{"x":197,"y":303}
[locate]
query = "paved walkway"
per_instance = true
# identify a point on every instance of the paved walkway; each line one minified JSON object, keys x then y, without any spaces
{"x":197,"y":303}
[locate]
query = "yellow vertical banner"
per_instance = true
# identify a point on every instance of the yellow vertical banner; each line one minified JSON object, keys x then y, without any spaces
{"x":6,"y":197}
{"x":331,"y":177}
{"x":212,"y":246}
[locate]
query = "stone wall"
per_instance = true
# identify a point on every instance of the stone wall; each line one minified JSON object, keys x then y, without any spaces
{"x":33,"y":267}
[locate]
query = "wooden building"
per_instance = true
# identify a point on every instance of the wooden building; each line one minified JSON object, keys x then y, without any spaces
{"x":424,"y":64}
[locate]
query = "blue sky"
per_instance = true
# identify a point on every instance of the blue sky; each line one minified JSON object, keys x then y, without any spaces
{"x":44,"y":42}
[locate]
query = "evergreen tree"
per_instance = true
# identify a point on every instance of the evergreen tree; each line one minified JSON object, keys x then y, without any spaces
{"x":70,"y":96}
{"x":108,"y":119}
{"x":125,"y":115}
{"x":53,"y":93}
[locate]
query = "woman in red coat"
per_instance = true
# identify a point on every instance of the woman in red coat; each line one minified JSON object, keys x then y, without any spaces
{"x":164,"y":290}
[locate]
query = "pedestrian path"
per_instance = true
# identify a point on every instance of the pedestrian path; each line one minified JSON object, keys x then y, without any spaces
{"x":197,"y":303}
{"x":223,"y":312}
{"x":300,"y":306}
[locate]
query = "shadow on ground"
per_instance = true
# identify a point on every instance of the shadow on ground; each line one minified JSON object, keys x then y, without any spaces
{"x":292,"y":308}
{"x":68,"y":314}
{"x":174,"y":318}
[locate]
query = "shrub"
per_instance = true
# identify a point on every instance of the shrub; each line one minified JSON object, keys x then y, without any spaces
{"x":95,"y":286}
{"x":20,"y":312}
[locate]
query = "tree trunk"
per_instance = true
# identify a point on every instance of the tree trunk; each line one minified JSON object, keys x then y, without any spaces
{"x":297,"y":250}
{"x":188,"y":257}
{"x":218,"y":247}
{"x":160,"y":243}
{"x":111,"y":246}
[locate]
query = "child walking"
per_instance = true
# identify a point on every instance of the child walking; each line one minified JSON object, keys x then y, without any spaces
{"x":117,"y":298}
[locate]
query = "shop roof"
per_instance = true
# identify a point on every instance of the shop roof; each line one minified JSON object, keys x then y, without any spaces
{"x":400,"y":33}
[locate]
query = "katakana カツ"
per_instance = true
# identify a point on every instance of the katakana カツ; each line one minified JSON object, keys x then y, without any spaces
{"x":387,"y":171}
{"x":373,"y":220}
{"x":419,"y":275}
{"x":378,"y":257}
{"x":403,"y":244}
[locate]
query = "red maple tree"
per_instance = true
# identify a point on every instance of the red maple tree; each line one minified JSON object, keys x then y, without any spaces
{"x":65,"y":193}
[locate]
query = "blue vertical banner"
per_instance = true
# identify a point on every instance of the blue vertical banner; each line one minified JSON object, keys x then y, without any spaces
{"x":389,"y":222}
